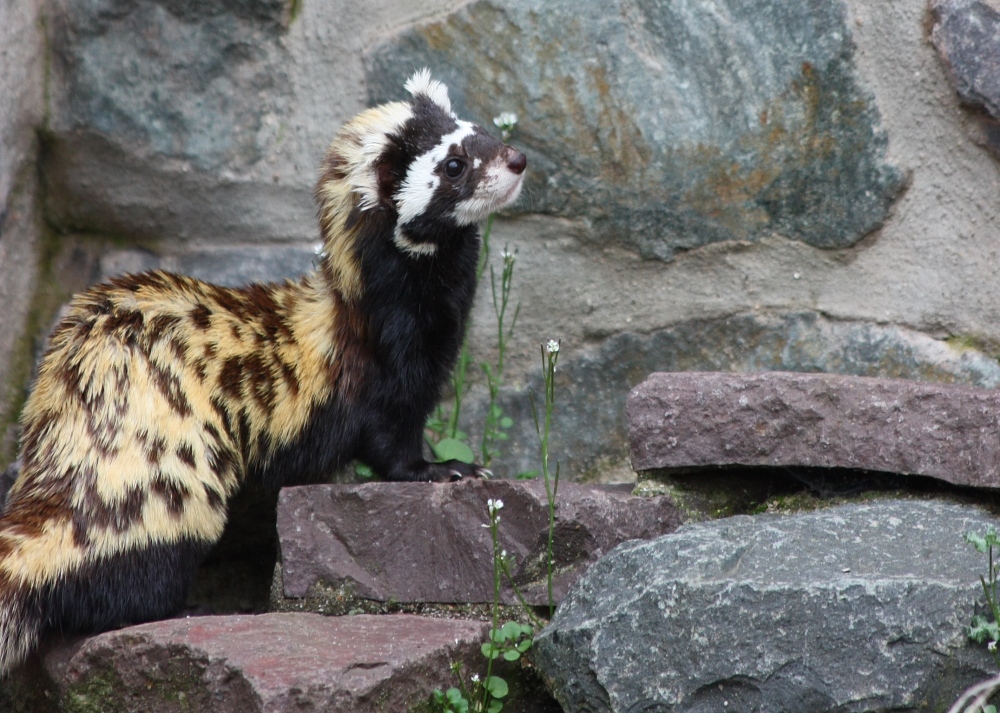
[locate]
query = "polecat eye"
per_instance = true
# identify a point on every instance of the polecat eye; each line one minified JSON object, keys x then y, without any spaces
{"x":453,"y":168}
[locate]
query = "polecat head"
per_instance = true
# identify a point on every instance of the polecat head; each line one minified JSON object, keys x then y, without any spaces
{"x":418,"y":166}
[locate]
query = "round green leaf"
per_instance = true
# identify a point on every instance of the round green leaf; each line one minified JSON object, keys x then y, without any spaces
{"x":453,"y":449}
{"x":496,"y":686}
{"x":511,"y":630}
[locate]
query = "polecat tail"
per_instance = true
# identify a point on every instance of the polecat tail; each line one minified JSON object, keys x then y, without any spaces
{"x":21,"y":622}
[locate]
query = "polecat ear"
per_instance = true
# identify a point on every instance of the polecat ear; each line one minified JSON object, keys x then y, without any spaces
{"x":422,"y":83}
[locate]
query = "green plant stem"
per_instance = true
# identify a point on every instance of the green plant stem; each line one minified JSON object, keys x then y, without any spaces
{"x":550,"y":547}
{"x":990,"y":590}
{"x":458,"y":388}
{"x":991,"y":600}
{"x":536,"y":622}
{"x":550,"y":493}
{"x":550,"y":356}
{"x":495,"y":537}
{"x":493,"y":423}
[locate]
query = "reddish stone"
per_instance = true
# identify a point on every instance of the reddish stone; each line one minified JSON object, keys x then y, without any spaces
{"x":270,"y":662}
{"x":692,"y":419}
{"x":427,"y":542}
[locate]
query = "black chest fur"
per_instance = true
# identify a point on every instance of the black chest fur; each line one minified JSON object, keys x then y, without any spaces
{"x":414,"y":313}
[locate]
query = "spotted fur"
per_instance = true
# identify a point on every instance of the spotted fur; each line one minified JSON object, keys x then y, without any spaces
{"x":160,"y":395}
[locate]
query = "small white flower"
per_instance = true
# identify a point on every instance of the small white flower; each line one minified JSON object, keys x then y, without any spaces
{"x":992,"y":646}
{"x":508,"y":257}
{"x":506,"y":121}
{"x":494,"y":505}
{"x":552,"y":346}
{"x":475,"y":678}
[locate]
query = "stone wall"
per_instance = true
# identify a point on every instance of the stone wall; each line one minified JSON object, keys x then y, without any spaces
{"x":718,"y":185}
{"x":22,"y":84}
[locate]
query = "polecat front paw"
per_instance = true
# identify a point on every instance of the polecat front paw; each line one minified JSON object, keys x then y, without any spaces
{"x":455,"y":470}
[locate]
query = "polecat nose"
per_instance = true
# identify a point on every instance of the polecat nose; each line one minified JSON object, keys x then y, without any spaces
{"x":516,"y":161}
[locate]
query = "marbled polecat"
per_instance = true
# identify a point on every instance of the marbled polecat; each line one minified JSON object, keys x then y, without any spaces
{"x":159,"y":395}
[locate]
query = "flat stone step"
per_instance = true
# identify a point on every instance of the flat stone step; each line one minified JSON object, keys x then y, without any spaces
{"x":270,"y":662}
{"x":697,"y":419}
{"x":427,"y":542}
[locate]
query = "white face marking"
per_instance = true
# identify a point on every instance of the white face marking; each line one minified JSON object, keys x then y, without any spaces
{"x":421,"y":181}
{"x":477,"y":163}
{"x":498,"y":188}
{"x":421,"y":83}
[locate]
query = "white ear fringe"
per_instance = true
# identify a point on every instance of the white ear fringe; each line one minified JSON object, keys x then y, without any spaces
{"x":422,"y":83}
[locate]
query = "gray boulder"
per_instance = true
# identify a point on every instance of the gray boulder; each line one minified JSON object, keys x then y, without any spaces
{"x":857,"y":608}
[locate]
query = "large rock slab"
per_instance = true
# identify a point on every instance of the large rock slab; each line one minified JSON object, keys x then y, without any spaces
{"x":168,"y":120}
{"x":698,"y":419}
{"x":122,"y":73}
{"x":859,"y":608}
{"x":271,"y":662}
{"x":649,"y":122}
{"x":427,"y":542}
